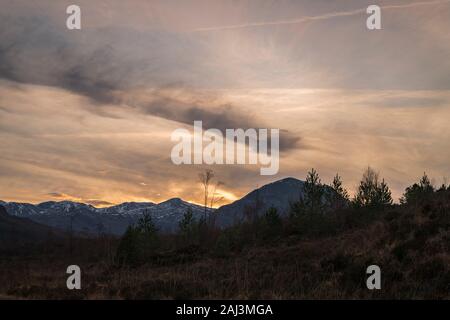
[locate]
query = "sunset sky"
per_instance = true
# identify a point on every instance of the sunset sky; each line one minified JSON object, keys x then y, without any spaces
{"x":86,"y":115}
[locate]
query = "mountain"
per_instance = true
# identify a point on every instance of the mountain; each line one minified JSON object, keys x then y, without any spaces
{"x":15,"y":231}
{"x":84,"y":218}
{"x":81,"y":218}
{"x":279,"y":194}
{"x":20,"y":209}
{"x":169,"y":213}
{"x":129,"y":208}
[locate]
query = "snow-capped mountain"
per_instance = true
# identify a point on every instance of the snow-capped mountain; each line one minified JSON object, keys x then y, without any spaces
{"x":80,"y":217}
{"x":84,"y":218}
{"x":129,"y":208}
{"x":63,"y":207}
{"x":169,"y":213}
{"x":20,"y":209}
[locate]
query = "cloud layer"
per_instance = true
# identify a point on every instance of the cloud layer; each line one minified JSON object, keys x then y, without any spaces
{"x":88,"y":114}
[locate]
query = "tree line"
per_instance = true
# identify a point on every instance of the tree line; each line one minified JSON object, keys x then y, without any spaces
{"x":320,"y":209}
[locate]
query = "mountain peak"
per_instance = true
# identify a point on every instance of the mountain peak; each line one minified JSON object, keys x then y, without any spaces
{"x":173,"y":201}
{"x":279,"y":194}
{"x":167,"y":214}
{"x":287,"y":180}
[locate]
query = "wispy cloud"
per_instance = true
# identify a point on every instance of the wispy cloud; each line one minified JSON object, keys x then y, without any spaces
{"x":94,"y":202}
{"x":90,"y":113}
{"x":318,"y":17}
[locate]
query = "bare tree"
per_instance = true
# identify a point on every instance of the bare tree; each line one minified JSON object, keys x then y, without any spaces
{"x":205,"y":180}
{"x":215,"y":200}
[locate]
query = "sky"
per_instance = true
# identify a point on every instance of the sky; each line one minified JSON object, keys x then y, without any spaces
{"x":87,"y":115}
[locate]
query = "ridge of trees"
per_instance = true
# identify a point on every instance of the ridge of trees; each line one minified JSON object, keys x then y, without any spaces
{"x":321,"y":210}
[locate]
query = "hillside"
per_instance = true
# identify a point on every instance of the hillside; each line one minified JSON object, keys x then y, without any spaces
{"x":17,"y":232}
{"x":84,"y":218}
{"x":327,"y":259}
{"x":279,"y":194}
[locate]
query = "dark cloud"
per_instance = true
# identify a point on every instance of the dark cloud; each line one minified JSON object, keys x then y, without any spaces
{"x":94,"y":202}
{"x":94,"y":62}
{"x":56,"y":195}
{"x":222,"y":117}
{"x":225,"y":116}
{"x":33,"y":51}
{"x":100,"y":65}
{"x":98,"y":203}
{"x":337,"y":52}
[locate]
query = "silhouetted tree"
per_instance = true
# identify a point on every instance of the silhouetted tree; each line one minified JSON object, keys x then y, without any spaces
{"x":190,"y":229}
{"x":128,"y":250}
{"x":372,"y":193}
{"x":139,"y":241}
{"x":145,"y":225}
{"x":205,"y":180}
{"x":384,"y":195}
{"x":418,"y":192}
{"x":187,"y":224}
{"x":271,"y":223}
{"x":313,"y":192}
{"x":148,"y":235}
{"x":340,"y":197}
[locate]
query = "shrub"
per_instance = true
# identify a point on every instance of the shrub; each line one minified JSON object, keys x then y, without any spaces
{"x":223,"y":245}
{"x":270,"y":224}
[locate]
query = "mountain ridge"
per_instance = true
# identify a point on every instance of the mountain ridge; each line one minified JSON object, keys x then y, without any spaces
{"x":16,"y":232}
{"x":82,"y":217}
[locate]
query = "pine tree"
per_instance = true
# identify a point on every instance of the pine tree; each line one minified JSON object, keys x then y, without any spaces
{"x":148,"y":236}
{"x":128,"y":249}
{"x":425,"y":184}
{"x":313,"y":192}
{"x":187,"y":224}
{"x":271,"y":223}
{"x":145,"y":225}
{"x":367,"y":189}
{"x":372,"y":193}
{"x":384,"y":196}
{"x":340,"y":197}
{"x":272,"y":217}
{"x":418,"y":192}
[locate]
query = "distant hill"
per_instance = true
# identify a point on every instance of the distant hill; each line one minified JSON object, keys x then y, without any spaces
{"x":15,"y":231}
{"x":320,"y":257}
{"x":84,"y":218}
{"x":279,"y":194}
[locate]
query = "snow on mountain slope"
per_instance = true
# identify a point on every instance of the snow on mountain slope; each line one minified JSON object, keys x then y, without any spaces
{"x":129,"y":208}
{"x":80,"y":217}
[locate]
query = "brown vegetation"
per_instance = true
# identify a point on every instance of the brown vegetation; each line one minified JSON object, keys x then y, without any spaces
{"x":306,"y":255}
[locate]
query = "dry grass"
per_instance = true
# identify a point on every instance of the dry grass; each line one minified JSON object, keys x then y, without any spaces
{"x":411,"y":245}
